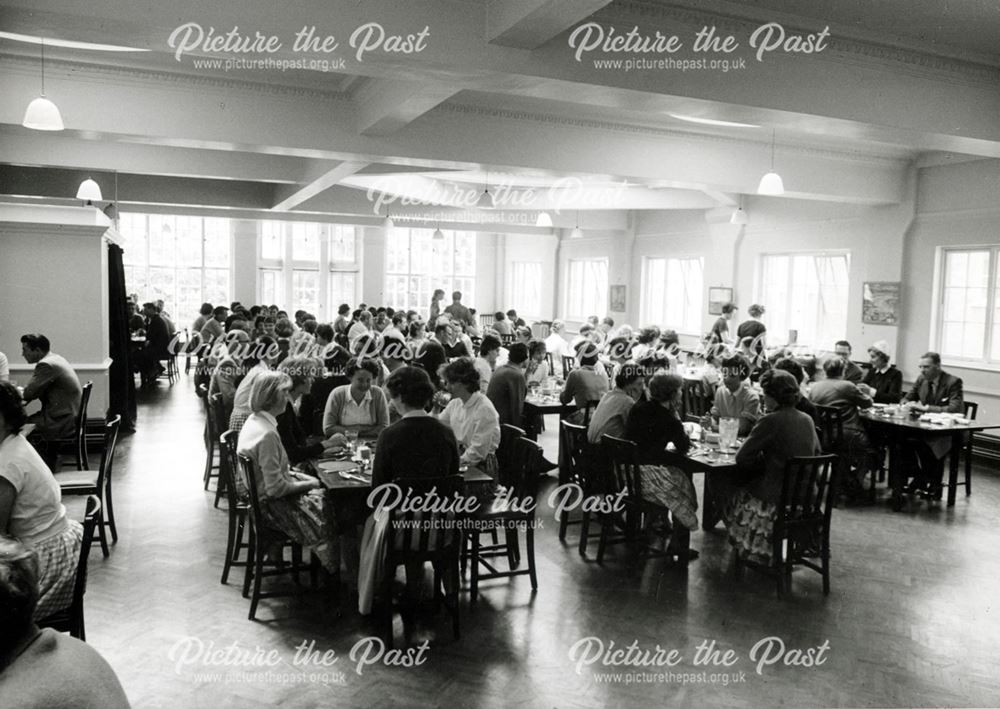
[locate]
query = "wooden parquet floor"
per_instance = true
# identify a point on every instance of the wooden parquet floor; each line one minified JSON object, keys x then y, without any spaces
{"x":910,"y":620}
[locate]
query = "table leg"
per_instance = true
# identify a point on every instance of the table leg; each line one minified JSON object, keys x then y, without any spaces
{"x":956,"y":447}
{"x":897,"y":481}
{"x":710,"y":516}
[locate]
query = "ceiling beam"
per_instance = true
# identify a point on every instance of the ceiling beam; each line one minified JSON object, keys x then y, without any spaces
{"x":383,"y":106}
{"x":322,"y":178}
{"x":528,"y":24}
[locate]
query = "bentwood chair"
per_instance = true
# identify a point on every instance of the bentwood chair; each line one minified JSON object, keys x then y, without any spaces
{"x":212,"y":434}
{"x":78,"y":441}
{"x":586,"y":468}
{"x":801,"y":532}
{"x":97,"y":482}
{"x":70,"y":619}
{"x":221,"y":424}
{"x":413,"y":538}
{"x":262,"y":538}
{"x":568,"y":365}
{"x":239,"y":508}
{"x":552,"y":366}
{"x":696,"y":401}
{"x":509,"y":515}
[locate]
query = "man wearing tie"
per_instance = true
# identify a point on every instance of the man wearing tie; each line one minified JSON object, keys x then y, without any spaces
{"x":935,"y":391}
{"x":56,"y":385}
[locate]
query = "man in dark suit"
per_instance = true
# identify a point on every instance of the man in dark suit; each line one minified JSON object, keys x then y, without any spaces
{"x":56,"y":386}
{"x":935,"y":391}
{"x":157,"y":344}
{"x":852,"y":372}
{"x":508,"y":388}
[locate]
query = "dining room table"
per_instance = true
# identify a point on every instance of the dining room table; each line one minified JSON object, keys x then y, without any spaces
{"x":712,"y":460}
{"x":899,"y":430}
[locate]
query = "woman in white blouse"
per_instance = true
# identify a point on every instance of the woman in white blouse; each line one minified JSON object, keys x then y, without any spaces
{"x":471,"y":416}
{"x":538,"y":369}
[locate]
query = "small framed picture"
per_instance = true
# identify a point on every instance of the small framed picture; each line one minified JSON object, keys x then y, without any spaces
{"x":717,"y":297}
{"x":616,"y":296}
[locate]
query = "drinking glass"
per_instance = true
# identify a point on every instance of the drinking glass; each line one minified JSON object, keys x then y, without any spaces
{"x":728,"y":430}
{"x":352,"y":439}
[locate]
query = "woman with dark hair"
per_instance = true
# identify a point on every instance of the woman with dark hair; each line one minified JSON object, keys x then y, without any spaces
{"x":416,"y":446}
{"x":44,"y":668}
{"x":645,"y":341}
{"x":751,"y":332}
{"x":359,"y":406}
{"x":31,"y":508}
{"x":471,"y":416}
{"x":203,"y":315}
{"x":652,"y":425}
{"x":303,"y":372}
{"x":783,"y":433}
{"x":537,"y":370}
{"x":501,"y":324}
{"x":788,"y":364}
{"x":435,"y":308}
{"x":343,"y":319}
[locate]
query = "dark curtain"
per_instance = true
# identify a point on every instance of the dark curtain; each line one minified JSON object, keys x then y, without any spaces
{"x":121,"y":380}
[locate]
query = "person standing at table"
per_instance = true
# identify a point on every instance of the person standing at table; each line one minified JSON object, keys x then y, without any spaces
{"x":883,"y":381}
{"x":935,"y":391}
{"x":753,"y":329}
{"x":457,"y":311}
{"x":435,"y":308}
{"x":719,"y":334}
{"x":508,"y":387}
{"x":852,"y":372}
{"x":56,"y":386}
{"x":736,"y":398}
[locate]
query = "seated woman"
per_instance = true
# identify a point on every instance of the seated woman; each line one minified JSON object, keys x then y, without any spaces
{"x":303,"y":372}
{"x":359,"y":406}
{"x":584,"y":384}
{"x":783,"y":433}
{"x":837,"y":392}
{"x":537,"y":370}
{"x":31,"y":508}
{"x":471,"y":417}
{"x":291,"y":502}
{"x":651,"y":425}
{"x":30,"y":658}
{"x":263,"y":355}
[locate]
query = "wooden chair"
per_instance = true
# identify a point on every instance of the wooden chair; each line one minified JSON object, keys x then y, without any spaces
{"x":626,"y":477}
{"x":568,"y":365}
{"x":696,"y":401}
{"x":238,"y":509}
{"x":70,"y":619}
{"x":261,"y":538}
{"x":971,"y":410}
{"x":506,"y":340}
{"x":78,"y":441}
{"x":801,"y":532}
{"x":97,"y":482}
{"x":584,"y":462}
{"x":221,"y":424}
{"x":414,"y":538}
{"x":552,"y":366}
{"x":522,"y":486}
{"x":212,"y":434}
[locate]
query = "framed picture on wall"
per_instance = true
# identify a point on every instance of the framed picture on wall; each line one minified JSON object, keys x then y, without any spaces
{"x":881,"y":303}
{"x":717,"y":297}
{"x":616,"y":298}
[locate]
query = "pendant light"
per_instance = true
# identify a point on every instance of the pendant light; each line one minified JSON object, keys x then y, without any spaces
{"x":438,"y":235}
{"x":387,"y":223}
{"x":42,"y":114}
{"x":577,"y":232}
{"x":89,"y":192}
{"x":544,"y":219}
{"x":486,"y":199}
{"x":771,"y":184}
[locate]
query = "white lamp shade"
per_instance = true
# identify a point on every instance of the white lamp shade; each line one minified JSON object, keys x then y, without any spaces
{"x":89,"y":191}
{"x":544,"y":219}
{"x":739,"y":216}
{"x":42,"y":114}
{"x":485,"y":200}
{"x":438,"y":235}
{"x":771,"y":184}
{"x":388,"y":224}
{"x":576,"y":233}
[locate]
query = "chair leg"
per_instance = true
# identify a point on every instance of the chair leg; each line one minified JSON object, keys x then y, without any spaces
{"x":388,"y":576}
{"x":231,"y":547}
{"x":474,"y":584}
{"x":210,"y":449}
{"x":110,"y":509}
{"x":220,"y":489}
{"x":452,"y":598}
{"x":563,"y":522}
{"x":103,"y":535}
{"x":968,"y":467}
{"x":606,"y":521}
{"x":258,"y":572}
{"x":529,"y":543}
{"x":826,"y":567}
{"x":584,"y":531}
{"x":81,"y":629}
{"x":251,"y":556}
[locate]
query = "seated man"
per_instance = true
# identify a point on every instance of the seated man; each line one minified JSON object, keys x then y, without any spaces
{"x":508,"y":387}
{"x":736,"y":398}
{"x":157,"y":345}
{"x":56,"y":386}
{"x":935,"y":391}
{"x":852,"y":372}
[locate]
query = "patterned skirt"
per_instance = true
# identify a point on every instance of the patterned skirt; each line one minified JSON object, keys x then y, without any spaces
{"x":308,"y":520}
{"x":670,"y":487}
{"x":58,"y":557}
{"x":751,"y":524}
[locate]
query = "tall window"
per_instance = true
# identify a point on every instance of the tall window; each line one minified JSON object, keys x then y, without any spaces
{"x":672,"y":293}
{"x":308,"y":266}
{"x":969,"y":305}
{"x":525,"y":288}
{"x":184,"y":261}
{"x":587,"y":291}
{"x":417,"y":264}
{"x":806,"y":292}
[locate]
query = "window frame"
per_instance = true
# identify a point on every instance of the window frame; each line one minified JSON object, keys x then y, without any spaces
{"x":409,"y":274}
{"x":568,"y":295}
{"x":814,"y":253}
{"x":984,"y":362}
{"x":526,"y":313}
{"x":644,"y":308}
